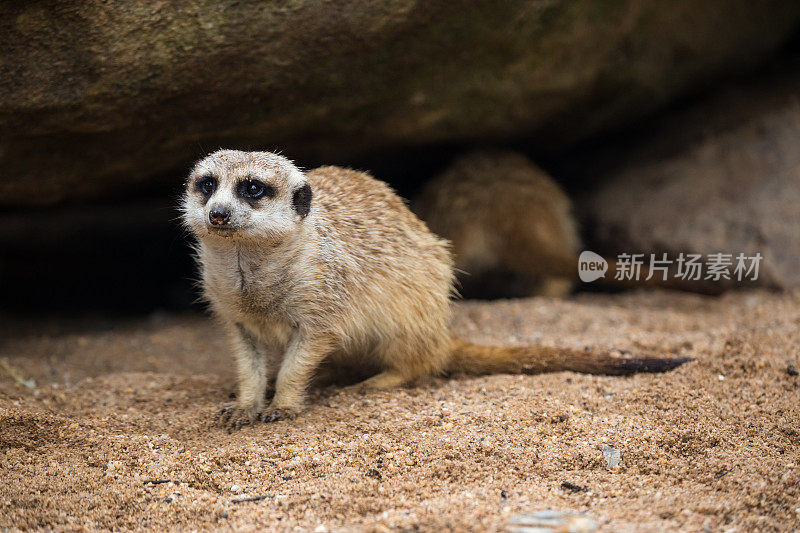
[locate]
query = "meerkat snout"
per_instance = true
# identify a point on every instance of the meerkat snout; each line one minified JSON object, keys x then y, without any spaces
{"x":219,"y":216}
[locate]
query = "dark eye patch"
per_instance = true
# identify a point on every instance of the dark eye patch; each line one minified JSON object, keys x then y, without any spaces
{"x":206,"y":185}
{"x":252,"y":189}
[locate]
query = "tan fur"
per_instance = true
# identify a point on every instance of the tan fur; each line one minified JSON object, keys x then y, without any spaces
{"x":504,"y":215}
{"x":359,"y":281}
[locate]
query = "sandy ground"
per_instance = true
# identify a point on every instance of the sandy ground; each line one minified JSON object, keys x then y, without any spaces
{"x":712,"y":446}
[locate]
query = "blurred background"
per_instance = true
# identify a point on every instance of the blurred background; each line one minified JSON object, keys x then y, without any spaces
{"x":672,"y":126}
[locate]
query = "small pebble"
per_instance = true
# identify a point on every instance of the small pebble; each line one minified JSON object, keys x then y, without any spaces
{"x":235,"y":488}
{"x":612,"y":456}
{"x":791,"y":370}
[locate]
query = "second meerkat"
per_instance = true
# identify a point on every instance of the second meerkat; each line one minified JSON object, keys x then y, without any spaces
{"x":330,"y":264}
{"x":510,"y":225}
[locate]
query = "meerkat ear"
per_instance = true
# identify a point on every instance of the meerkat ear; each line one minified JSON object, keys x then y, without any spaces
{"x":301,"y":200}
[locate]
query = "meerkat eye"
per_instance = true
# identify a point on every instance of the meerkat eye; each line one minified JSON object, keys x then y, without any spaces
{"x":207,"y":185}
{"x":254,"y":189}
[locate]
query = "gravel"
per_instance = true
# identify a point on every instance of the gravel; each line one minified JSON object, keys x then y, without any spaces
{"x":120,"y":403}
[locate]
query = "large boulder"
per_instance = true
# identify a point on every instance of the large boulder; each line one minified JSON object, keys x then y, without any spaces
{"x":722,"y":177}
{"x":98,"y":96}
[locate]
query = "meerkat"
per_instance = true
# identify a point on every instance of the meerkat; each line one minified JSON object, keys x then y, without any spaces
{"x":330,"y":264}
{"x":511,"y":226}
{"x":512,"y":229}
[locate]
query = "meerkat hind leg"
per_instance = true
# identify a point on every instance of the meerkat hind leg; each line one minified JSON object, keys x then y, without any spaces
{"x":388,"y":379}
{"x":398,"y":367}
{"x":554,"y":287}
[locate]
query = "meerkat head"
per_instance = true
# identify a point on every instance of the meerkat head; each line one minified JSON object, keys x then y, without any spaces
{"x":245,"y":195}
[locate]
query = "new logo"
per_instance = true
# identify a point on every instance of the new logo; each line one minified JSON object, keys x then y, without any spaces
{"x":591,"y":266}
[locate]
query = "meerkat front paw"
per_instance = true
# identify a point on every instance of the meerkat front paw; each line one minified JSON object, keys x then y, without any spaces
{"x":273,"y":414}
{"x":232,"y":417}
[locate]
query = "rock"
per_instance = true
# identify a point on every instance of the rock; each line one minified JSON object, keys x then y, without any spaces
{"x":550,"y":522}
{"x":572,"y":487}
{"x":100,"y":97}
{"x":722,"y":177}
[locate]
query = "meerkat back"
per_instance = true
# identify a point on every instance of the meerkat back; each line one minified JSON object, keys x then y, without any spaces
{"x":398,"y":271}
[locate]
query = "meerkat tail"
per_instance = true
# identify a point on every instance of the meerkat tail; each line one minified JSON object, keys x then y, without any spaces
{"x":476,"y":359}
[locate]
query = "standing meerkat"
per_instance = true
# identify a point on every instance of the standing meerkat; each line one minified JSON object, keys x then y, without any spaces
{"x":330,"y":265}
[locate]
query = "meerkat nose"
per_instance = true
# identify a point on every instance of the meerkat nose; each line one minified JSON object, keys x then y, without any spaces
{"x":219,"y":216}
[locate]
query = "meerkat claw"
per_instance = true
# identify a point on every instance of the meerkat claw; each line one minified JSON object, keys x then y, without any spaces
{"x":274,"y":415}
{"x":235,"y":418}
{"x":223,"y":415}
